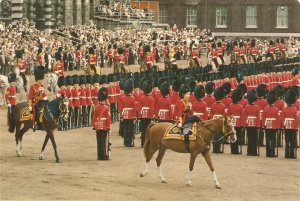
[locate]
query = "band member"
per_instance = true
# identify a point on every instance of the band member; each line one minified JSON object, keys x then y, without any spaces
{"x":209,"y":99}
{"x":146,"y":108}
{"x":226,"y":100}
{"x":271,"y":51}
{"x":78,"y":57}
{"x":155,"y":53}
{"x":92,"y":60}
{"x":110,"y":55}
{"x":21,"y":64}
{"x":220,"y":52}
{"x":251,"y":119}
{"x":199,"y":106}
{"x":254,"y":52}
{"x":58,"y":66}
{"x":140,"y":53}
{"x":261,"y":91}
{"x":112,"y":98}
{"x":76,"y":101}
{"x":290,"y":122}
{"x":183,"y":112}
{"x":235,"y":110}
{"x":280,"y":104}
{"x":218,"y":109}
{"x":69,"y":83}
{"x":271,"y":123}
{"x":235,"y":58}
{"x":127,"y":110}
{"x":163,"y":104}
{"x":242,"y":52}
{"x":10,"y":96}
{"x":36,"y":93}
{"x":40,"y":55}
{"x":101,"y":124}
{"x":148,"y":57}
{"x":194,"y":55}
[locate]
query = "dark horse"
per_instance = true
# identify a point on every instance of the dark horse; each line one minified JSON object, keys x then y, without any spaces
{"x":205,"y":133}
{"x":52,"y":111}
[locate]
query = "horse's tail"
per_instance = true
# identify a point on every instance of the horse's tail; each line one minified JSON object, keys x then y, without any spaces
{"x":147,"y":140}
{"x":11,"y":123}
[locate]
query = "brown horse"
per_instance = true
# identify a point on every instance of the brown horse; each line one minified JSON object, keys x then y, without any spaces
{"x":52,"y":111}
{"x":205,"y":132}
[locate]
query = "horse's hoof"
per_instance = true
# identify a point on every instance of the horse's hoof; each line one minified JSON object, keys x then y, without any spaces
{"x":163,"y":181}
{"x":142,"y":174}
{"x":189,"y":184}
{"x":19,"y":154}
{"x":41,"y":157}
{"x":58,"y":161}
{"x":218,"y":186}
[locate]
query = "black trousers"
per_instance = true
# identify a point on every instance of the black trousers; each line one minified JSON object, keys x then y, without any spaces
{"x":83,"y":116}
{"x":71,"y":118}
{"x":261,"y":136}
{"x":270,"y":142}
{"x":144,"y":124}
{"x":252,"y":141}
{"x":290,"y":143}
{"x":88,"y":115}
{"x":235,"y":146}
{"x":102,"y":145}
{"x":76,"y":117}
{"x":113,"y":112}
{"x":128,"y":132}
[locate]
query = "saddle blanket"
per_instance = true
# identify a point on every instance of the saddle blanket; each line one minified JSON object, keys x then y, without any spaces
{"x":174,"y":133}
{"x":26,"y":114}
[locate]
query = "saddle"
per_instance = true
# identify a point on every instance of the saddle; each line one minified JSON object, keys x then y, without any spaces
{"x":174,"y":133}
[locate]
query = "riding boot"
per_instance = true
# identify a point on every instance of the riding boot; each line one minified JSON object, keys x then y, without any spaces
{"x":187,"y":139}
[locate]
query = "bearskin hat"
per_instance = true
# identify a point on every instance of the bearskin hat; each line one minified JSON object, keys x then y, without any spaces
{"x":251,"y":96}
{"x":290,"y":97}
{"x":40,"y":50}
{"x":82,"y":79}
{"x":89,"y":79}
{"x":237,"y":95}
{"x":104,"y":79}
{"x":60,"y":49}
{"x":69,"y":80}
{"x":199,"y":92}
{"x":146,"y":87}
{"x":91,"y":50}
{"x":227,"y":87}
{"x":279,"y":90}
{"x":19,"y":54}
{"x":164,"y":89}
{"x":219,"y":93}
{"x":282,"y":41}
{"x":161,"y":80}
{"x":61,"y":81}
{"x":109,"y":46}
{"x":213,"y":45}
{"x":39,"y":73}
{"x":183,"y":90}
{"x":136,"y":83}
{"x":154,"y":45}
{"x":296,"y":90}
{"x":295,"y":71}
{"x":110,"y":78}
{"x":12,"y":77}
{"x":128,"y":86}
{"x":253,"y":43}
{"x":76,"y":79}
{"x":140,"y":44}
{"x":57,"y":56}
{"x":219,"y":44}
{"x":166,"y":43}
{"x":147,"y":48}
{"x":176,"y":85}
{"x":209,"y":87}
{"x":102,"y":94}
{"x":271,"y":97}
{"x":192,"y":84}
{"x":96,"y":78}
{"x":271,"y":42}
{"x":78,"y":47}
{"x":261,"y":90}
{"x":235,"y":43}
{"x":239,"y":76}
{"x":121,"y":83}
{"x":241,"y":44}
{"x":242,"y":87}
{"x":155,"y":84}
{"x":120,"y":50}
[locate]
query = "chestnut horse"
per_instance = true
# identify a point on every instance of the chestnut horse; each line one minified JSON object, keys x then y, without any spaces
{"x":205,"y":133}
{"x":53,"y":110}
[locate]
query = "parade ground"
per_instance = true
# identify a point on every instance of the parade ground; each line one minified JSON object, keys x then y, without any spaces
{"x":81,"y":177}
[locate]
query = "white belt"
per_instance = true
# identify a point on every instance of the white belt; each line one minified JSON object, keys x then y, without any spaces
{"x":163,"y":110}
{"x":12,"y":96}
{"x":103,"y":119}
{"x":198,"y":113}
{"x":76,"y":98}
{"x":145,"y":108}
{"x":236,"y":117}
{"x":251,"y":117}
{"x":289,"y":119}
{"x":83,"y":97}
{"x":270,"y":119}
{"x":70,"y":98}
{"x":218,"y":115}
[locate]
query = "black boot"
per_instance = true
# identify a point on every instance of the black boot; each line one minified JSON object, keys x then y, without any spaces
{"x":187,"y":139}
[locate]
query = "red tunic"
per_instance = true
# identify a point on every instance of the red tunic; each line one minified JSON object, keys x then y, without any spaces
{"x":236,"y":111}
{"x":92,"y":60}
{"x":101,"y":117}
{"x":163,"y":109}
{"x":61,"y":92}
{"x":243,"y":102}
{"x":127,"y":107}
{"x":148,"y":58}
{"x":94,"y":94}
{"x":78,"y":55}
{"x":262,"y":103}
{"x":251,"y":116}
{"x":218,"y":109}
{"x":110,"y":54}
{"x":270,"y":118}
{"x":69,"y":95}
{"x":183,"y":109}
{"x":82,"y":96}
{"x":289,"y":118}
{"x":146,"y":107}
{"x":36,"y":93}
{"x":111,"y":94}
{"x":226,"y":101}
{"x":75,"y":95}
{"x":88,"y":94}
{"x":40,"y":59}
{"x":22,"y":65}
{"x":280,"y":104}
{"x":10,"y":95}
{"x":58,"y":68}
{"x":199,"y":109}
{"x":209,"y":100}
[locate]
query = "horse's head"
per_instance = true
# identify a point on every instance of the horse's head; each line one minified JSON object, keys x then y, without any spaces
{"x":228,"y":129}
{"x":64,"y":107}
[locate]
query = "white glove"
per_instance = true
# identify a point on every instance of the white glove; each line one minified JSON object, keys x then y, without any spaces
{"x":9,"y":105}
{"x":45,"y":98}
{"x":179,"y":125}
{"x":30,"y":108}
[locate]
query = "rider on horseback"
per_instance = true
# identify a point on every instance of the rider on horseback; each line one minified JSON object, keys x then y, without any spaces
{"x":21,"y":64}
{"x":36,"y":93}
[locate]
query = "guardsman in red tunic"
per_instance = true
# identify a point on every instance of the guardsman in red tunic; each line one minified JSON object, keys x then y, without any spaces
{"x":226,"y":100}
{"x":163,"y":104}
{"x":209,"y":99}
{"x":218,"y":109}
{"x":21,"y":64}
{"x":112,"y":98}
{"x":127,"y":110}
{"x":148,"y":57}
{"x":126,"y":53}
{"x":174,"y":95}
{"x":58,"y":66}
{"x":199,"y":106}
{"x":251,"y":119}
{"x":220,"y":52}
{"x":290,"y":123}
{"x":146,"y":108}
{"x":92,"y":59}
{"x":242,"y":52}
{"x":254,"y":52}
{"x":271,"y":122}
{"x":271,"y":51}
{"x":235,"y":53}
{"x":140,"y":53}
{"x":39,"y":57}
{"x":36,"y":93}
{"x":101,"y":124}
{"x":78,"y":57}
{"x":89,"y":101}
{"x":280,"y":104}
{"x":10,"y":96}
{"x":61,"y":83}
{"x":82,"y":98}
{"x":184,"y":50}
{"x":69,"y":83}
{"x":235,"y":110}
{"x":261,"y":91}
{"x":183,"y":112}
{"x":296,"y":77}
{"x":243,"y":101}
{"x":166,"y":51}
{"x":195,"y":54}
{"x":110,"y":55}
{"x":76,"y":102}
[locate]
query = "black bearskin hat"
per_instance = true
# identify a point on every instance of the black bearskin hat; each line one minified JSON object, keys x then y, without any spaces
{"x":164,"y":89}
{"x":271,"y":42}
{"x":57,"y":56}
{"x":253,"y":43}
{"x":109,"y":46}
{"x":61,"y":81}
{"x":213,"y":45}
{"x":76,"y":79}
{"x":235,"y":43}
{"x":192,"y":85}
{"x":69,"y":80}
{"x":136,"y":83}
{"x":176,"y":85}
{"x":242,"y":87}
{"x":251,"y":96}
{"x":227,"y":87}
{"x":199,"y":92}
{"x":209,"y":87}
{"x":219,"y":44}
{"x":82,"y":79}
{"x":183,"y":90}
{"x":89,"y":79}
{"x":282,"y":41}
{"x":91,"y":50}
{"x":271,"y":97}
{"x":102,"y":94}
{"x":19,"y":54}
{"x":237,"y":95}
{"x":161,"y":80}
{"x":147,"y":48}
{"x":295,"y":71}
{"x":261,"y":90}
{"x":120,"y":50}
{"x":290,"y":97}
{"x":12,"y":77}
{"x":219,"y":93}
{"x":146,"y":87}
{"x":127,"y":86}
{"x":279,"y":90}
{"x":104,"y":79}
{"x":39,"y":73}
{"x":96,"y":78}
{"x":241,"y":44}
{"x":78,"y":47}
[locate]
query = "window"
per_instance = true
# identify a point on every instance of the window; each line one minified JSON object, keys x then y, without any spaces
{"x":221,"y":17}
{"x":251,"y":17}
{"x":282,"y":17}
{"x":163,"y":14}
{"x":191,"y":15}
